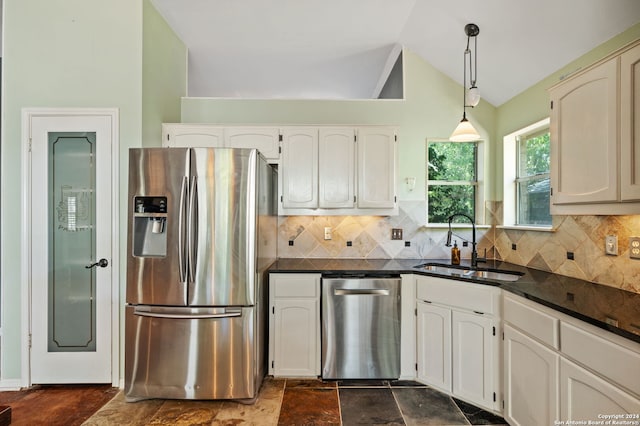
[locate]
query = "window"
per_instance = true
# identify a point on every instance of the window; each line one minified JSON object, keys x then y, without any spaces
{"x":532,"y":180}
{"x":452,"y":179}
{"x":526,"y":172}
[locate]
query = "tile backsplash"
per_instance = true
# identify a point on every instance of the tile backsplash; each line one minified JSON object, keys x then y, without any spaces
{"x":369,"y":237}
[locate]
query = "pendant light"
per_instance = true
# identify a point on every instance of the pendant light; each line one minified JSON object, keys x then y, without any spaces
{"x":465,"y":132}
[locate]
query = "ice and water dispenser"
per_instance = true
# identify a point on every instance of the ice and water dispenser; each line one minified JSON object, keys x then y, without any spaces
{"x":149,"y":226}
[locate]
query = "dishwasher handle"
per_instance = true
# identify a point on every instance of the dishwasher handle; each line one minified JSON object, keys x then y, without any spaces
{"x":360,"y":292}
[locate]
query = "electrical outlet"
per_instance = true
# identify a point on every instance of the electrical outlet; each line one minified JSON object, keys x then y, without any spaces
{"x":634,"y":247}
{"x":327,"y":232}
{"x":611,"y":245}
{"x":396,"y":233}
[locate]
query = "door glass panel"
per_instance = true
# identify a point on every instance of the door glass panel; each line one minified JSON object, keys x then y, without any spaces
{"x":72,"y":286}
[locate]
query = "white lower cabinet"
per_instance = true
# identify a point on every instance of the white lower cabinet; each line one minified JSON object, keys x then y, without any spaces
{"x":457,"y":344}
{"x":585,"y":396}
{"x":434,"y":345}
{"x":558,"y":368}
{"x":531,"y":380}
{"x":294,"y":325}
{"x":475,"y":349}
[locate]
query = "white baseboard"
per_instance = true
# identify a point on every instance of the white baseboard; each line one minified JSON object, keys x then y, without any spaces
{"x":10,"y":385}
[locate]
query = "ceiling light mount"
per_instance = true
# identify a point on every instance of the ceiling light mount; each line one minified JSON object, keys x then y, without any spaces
{"x":471,"y":30}
{"x":465,"y":132}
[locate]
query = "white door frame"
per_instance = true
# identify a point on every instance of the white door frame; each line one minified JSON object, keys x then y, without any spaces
{"x":27,"y":115}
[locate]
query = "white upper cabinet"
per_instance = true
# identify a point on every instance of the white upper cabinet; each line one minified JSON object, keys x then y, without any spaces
{"x":322,"y":170}
{"x":299,"y":168}
{"x":338,"y":171}
{"x":264,"y":139}
{"x":192,"y":135}
{"x":595,"y":148}
{"x":584,"y":134}
{"x":629,"y":127}
{"x":376,"y":167}
{"x":336,"y":168}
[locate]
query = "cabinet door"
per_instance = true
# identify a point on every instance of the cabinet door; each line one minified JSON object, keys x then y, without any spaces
{"x":294,"y":325}
{"x":192,"y":135}
{"x":336,"y":168}
{"x":474,"y":349}
{"x":300,"y":168}
{"x":584,"y":396}
{"x":629,"y":129}
{"x":376,"y":168}
{"x":295,"y":351}
{"x":264,"y":139}
{"x":530,"y":380}
{"x":584,"y":141}
{"x":434,"y":345}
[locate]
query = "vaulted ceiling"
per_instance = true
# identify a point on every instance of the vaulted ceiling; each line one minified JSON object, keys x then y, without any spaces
{"x":340,"y":49}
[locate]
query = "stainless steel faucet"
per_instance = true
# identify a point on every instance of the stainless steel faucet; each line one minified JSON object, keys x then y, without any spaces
{"x":474,"y":253}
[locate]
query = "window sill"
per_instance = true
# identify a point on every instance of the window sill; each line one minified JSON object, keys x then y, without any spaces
{"x":527,"y":228}
{"x":455,"y":226}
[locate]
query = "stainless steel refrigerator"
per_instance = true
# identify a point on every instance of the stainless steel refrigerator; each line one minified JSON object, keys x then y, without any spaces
{"x":201,"y":234}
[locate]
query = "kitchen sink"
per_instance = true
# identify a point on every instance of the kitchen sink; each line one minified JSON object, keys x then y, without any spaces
{"x":496,"y":275}
{"x":486,"y":273}
{"x":444,"y":269}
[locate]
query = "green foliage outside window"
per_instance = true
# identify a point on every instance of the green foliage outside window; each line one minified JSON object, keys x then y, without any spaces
{"x":452,"y":176}
{"x":533,"y":183}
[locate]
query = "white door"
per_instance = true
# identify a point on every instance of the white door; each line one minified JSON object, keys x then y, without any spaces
{"x":71,"y":248}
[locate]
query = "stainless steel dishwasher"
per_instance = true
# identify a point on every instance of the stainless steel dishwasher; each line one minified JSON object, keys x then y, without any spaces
{"x":360,"y":326}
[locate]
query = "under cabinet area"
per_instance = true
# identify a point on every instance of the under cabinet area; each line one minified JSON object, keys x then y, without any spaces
{"x":595,"y":144}
{"x":559,"y":368}
{"x":457,"y":342}
{"x":294,"y":325}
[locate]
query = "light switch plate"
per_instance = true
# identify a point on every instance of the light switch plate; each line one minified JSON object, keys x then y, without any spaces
{"x":611,"y":245}
{"x":327,"y":232}
{"x":634,"y":247}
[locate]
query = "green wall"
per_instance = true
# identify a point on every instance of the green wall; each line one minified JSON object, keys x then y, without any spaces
{"x":164,"y":75}
{"x":77,"y":53}
{"x":431,"y":109}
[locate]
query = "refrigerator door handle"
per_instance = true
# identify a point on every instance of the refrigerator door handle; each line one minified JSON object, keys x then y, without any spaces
{"x":187,"y":316}
{"x":192,"y":229}
{"x":181,"y":229}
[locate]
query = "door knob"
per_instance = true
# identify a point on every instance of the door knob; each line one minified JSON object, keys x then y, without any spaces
{"x":101,"y":263}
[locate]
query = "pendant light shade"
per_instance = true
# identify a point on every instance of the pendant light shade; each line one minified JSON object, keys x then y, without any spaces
{"x":465,"y":132}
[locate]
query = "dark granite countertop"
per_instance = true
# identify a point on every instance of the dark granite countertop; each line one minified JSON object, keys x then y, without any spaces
{"x":596,"y":304}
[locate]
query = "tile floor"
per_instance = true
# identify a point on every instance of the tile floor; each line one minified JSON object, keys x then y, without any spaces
{"x":306,"y":402}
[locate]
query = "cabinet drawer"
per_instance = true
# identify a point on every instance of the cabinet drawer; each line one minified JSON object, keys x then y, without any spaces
{"x":613,"y":361}
{"x":532,"y":321}
{"x":295,"y":285}
{"x":474,"y":297}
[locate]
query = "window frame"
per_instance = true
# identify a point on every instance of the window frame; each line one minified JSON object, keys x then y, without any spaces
{"x":478,"y":184}
{"x":511,"y":162}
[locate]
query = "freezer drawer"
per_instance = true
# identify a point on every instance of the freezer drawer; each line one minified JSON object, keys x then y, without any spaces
{"x":361,"y":328}
{"x":192,"y":353}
